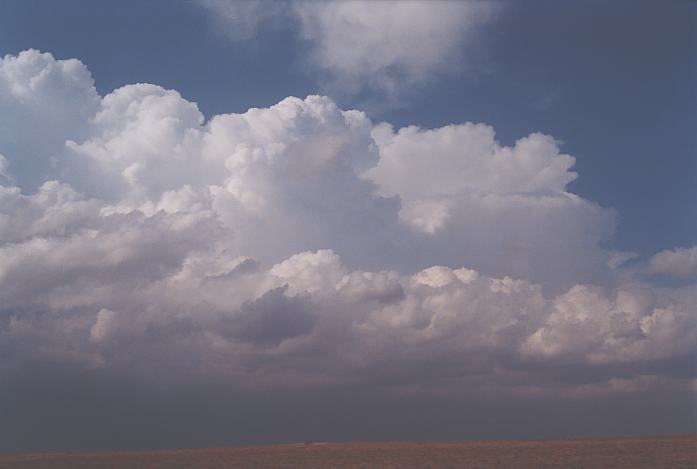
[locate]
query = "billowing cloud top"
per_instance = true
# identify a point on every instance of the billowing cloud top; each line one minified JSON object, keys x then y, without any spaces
{"x":301,"y":245}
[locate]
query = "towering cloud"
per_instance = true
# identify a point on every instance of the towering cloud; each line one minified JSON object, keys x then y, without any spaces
{"x":302,"y":246}
{"x":41,"y":95}
{"x":502,"y":205}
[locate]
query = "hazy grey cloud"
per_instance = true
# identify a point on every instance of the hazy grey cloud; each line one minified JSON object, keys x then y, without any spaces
{"x":302,"y":247}
{"x":679,"y":262}
{"x":309,"y":321}
{"x":270,"y":319}
{"x":241,"y":20}
{"x":617,"y":259}
{"x":387,"y":46}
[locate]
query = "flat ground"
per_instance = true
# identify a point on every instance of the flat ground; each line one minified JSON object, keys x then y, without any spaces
{"x":665,"y":452}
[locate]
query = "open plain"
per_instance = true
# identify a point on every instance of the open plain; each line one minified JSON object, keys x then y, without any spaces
{"x":663,"y":452}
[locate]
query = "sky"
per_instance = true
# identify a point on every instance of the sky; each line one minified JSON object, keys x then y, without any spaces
{"x":251,"y":222}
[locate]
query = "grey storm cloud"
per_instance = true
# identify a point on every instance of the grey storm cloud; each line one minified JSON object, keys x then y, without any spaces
{"x":302,"y":247}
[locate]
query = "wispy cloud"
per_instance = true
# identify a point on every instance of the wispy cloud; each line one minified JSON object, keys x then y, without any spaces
{"x":385,"y":46}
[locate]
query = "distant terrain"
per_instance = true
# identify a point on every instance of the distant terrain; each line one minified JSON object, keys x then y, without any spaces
{"x":664,"y":452}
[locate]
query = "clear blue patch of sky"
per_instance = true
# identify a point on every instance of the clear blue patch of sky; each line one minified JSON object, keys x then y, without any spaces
{"x":615,"y":81}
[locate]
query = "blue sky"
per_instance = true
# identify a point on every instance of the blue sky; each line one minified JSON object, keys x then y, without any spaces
{"x":234,"y":216}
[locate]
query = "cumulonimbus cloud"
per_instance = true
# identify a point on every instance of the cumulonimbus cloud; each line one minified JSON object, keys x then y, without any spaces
{"x":302,"y":245}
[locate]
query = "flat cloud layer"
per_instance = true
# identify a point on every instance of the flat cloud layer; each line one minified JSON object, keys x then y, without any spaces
{"x":301,"y":246}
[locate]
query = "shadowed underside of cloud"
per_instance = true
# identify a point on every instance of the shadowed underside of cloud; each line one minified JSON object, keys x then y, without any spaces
{"x":302,"y":247}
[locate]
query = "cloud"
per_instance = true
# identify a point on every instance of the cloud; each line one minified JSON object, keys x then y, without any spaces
{"x":679,"y":262}
{"x":386,"y":46}
{"x":40,"y":94}
{"x":104,"y":325}
{"x":296,"y":176}
{"x":302,"y":246}
{"x":457,"y":184}
{"x":627,"y":325}
{"x":446,"y":162}
{"x":241,"y":20}
{"x":309,"y":321}
{"x":619,"y":258}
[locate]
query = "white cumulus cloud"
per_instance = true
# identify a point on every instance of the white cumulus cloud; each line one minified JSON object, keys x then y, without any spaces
{"x":302,"y":245}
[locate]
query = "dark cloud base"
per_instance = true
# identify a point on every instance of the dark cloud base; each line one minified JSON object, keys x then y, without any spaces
{"x":299,"y":272}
